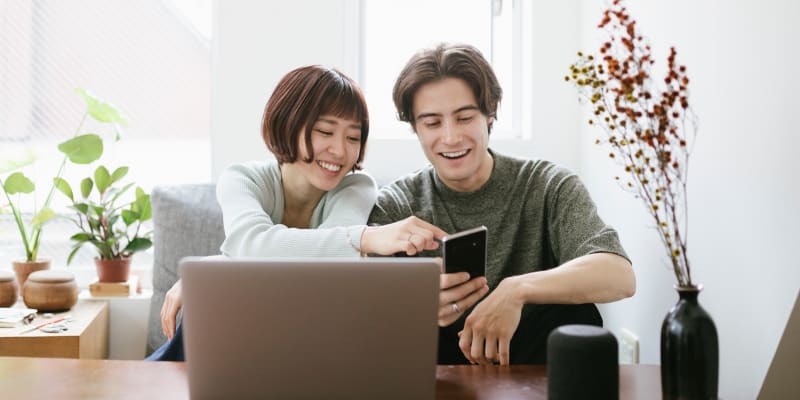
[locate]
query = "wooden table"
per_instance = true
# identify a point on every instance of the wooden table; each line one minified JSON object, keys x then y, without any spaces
{"x":67,"y":379}
{"x":86,"y":336}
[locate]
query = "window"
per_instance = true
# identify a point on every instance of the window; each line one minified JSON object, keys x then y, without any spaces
{"x":393,"y":31}
{"x":149,"y":58}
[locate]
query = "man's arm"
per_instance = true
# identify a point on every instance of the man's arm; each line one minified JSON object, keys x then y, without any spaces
{"x":593,"y":278}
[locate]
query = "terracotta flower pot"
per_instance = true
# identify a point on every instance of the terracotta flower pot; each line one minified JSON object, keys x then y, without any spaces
{"x":25,"y":268}
{"x":116,"y":270}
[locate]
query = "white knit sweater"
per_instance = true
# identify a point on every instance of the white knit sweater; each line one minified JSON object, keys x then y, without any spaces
{"x":251,"y":197}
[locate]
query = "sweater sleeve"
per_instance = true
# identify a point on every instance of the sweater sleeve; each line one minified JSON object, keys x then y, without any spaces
{"x":250,"y":200}
{"x":574,"y":226}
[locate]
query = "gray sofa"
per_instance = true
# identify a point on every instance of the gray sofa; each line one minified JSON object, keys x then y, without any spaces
{"x":187,"y":221}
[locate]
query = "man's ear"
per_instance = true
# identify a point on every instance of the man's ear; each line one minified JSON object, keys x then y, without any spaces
{"x":490,"y":121}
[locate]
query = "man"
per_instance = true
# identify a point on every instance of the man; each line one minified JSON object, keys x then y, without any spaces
{"x":550,"y":255}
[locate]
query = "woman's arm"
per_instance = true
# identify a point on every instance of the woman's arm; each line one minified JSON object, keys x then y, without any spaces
{"x":252,"y":201}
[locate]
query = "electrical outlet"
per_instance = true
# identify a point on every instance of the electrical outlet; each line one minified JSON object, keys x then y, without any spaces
{"x":628,"y":347}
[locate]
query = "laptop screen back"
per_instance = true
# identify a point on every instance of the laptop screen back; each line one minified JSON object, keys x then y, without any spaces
{"x":310,"y":328}
{"x":782,"y":380}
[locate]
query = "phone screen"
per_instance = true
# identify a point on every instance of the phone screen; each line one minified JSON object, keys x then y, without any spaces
{"x":465,"y":251}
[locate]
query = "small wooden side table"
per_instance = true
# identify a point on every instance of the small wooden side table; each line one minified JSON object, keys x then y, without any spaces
{"x":86,"y":336}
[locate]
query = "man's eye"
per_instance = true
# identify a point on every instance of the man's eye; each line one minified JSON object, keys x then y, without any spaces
{"x":431,"y":124}
{"x":465,"y":119}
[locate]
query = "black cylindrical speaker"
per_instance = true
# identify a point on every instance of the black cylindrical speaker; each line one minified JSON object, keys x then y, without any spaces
{"x":582,"y":363}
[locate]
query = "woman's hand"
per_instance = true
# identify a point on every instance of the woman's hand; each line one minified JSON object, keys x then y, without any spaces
{"x":411,"y":235}
{"x":169,"y":311}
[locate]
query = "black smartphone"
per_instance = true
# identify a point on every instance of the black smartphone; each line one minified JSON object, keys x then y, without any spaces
{"x":465,"y":251}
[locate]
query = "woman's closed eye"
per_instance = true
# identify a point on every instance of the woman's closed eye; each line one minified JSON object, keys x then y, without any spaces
{"x":354,"y":139}
{"x":326,"y":133}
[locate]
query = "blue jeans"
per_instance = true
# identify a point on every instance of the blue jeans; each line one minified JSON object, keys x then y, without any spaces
{"x":171,"y":350}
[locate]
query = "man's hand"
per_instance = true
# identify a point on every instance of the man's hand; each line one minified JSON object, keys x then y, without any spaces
{"x":458,"y":293}
{"x":169,"y":311}
{"x":488,"y":329}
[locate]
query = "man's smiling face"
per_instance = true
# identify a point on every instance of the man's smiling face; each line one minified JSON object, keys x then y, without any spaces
{"x":454,"y":134}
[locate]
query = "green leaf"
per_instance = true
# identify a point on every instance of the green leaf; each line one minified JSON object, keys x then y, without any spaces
{"x":63,"y":187}
{"x":6,"y":164}
{"x":143,"y":205}
{"x":113,"y":220}
{"x":73,"y":252}
{"x":138,"y":244}
{"x":18,"y":183}
{"x":86,"y":187}
{"x":82,"y":208}
{"x":102,"y":179}
{"x":83,"y":149}
{"x":129,"y":217}
{"x":81,"y":237}
{"x":42,"y":216}
{"x":118,"y":174}
{"x":119,"y":132}
{"x":100,"y":110}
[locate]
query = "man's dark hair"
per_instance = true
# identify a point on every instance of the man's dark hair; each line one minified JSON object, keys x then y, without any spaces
{"x":460,"y":61}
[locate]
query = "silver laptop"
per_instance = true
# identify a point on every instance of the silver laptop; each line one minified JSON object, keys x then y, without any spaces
{"x":310,"y":328}
{"x":781,"y":381}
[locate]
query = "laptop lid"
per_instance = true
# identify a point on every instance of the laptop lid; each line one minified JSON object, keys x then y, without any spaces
{"x":782,"y":380}
{"x":310,"y":328}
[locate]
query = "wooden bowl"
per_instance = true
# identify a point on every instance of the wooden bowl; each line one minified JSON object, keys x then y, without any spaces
{"x":50,"y":290}
{"x":8,"y":289}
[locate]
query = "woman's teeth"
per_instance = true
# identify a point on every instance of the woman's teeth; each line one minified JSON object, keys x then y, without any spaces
{"x":329,"y":166}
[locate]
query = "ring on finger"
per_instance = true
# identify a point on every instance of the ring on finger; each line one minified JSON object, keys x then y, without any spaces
{"x":456,"y":308}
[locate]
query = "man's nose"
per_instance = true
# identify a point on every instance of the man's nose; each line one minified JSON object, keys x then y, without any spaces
{"x":452,"y":134}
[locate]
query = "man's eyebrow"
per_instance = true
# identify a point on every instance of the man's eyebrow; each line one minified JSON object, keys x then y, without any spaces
{"x":466,"y":108}
{"x":458,"y":110}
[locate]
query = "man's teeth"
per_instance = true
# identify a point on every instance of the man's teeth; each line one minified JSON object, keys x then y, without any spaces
{"x":329,"y":166}
{"x":455,"y":154}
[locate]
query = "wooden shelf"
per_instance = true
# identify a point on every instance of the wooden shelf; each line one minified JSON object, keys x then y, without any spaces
{"x":86,"y":336}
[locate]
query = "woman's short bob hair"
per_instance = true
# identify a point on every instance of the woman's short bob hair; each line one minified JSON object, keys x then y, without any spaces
{"x":301,"y":97}
{"x":460,"y":61}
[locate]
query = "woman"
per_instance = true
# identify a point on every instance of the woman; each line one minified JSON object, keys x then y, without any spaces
{"x":311,"y":201}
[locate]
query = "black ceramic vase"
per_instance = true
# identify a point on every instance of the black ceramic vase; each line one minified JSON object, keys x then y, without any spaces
{"x":689,"y":350}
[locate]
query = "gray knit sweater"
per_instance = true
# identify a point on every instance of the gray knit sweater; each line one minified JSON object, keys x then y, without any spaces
{"x":539,"y":215}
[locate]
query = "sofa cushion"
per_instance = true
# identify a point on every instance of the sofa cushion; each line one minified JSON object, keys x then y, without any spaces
{"x":187,"y":221}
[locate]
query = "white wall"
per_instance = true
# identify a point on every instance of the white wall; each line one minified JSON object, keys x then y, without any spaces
{"x":256,"y":43}
{"x":743,"y":194}
{"x":742,"y":190}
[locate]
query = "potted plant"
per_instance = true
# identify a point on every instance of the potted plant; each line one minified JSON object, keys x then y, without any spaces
{"x":113,"y":227}
{"x":650,"y":129}
{"x":14,"y":184}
